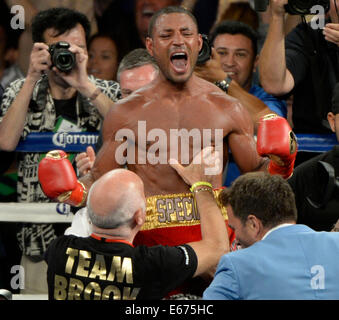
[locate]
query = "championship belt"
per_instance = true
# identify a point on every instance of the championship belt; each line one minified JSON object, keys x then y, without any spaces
{"x":173,"y":220}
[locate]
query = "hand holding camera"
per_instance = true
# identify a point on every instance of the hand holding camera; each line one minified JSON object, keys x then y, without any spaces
{"x":40,"y":61}
{"x":69,"y":62}
{"x":211,"y":70}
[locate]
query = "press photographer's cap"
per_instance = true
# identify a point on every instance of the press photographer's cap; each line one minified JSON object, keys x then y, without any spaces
{"x":335,"y":99}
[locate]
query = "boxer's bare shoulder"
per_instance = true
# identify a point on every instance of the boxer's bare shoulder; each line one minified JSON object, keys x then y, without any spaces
{"x":229,"y":112}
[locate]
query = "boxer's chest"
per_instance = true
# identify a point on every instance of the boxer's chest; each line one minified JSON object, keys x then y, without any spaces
{"x":168,"y":114}
{"x":167,"y":127}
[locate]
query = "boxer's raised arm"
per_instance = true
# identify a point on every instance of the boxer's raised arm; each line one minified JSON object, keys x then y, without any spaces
{"x":241,"y":140}
{"x":275,"y":140}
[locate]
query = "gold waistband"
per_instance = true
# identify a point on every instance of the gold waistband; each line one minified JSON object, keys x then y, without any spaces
{"x":174,"y":210}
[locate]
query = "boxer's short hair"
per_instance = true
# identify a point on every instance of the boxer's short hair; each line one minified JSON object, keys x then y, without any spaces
{"x":169,"y":10}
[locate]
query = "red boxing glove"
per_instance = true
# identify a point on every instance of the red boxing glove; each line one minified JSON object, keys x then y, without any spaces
{"x":58,"y":179}
{"x":276,"y":140}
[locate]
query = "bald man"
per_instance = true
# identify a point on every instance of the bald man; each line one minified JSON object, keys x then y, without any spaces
{"x":107,"y":266}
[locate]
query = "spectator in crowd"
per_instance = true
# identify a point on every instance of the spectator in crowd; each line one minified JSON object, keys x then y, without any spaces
{"x":136,"y":69}
{"x":103,"y":57}
{"x":303,"y":64}
{"x":31,"y":8}
{"x":46,"y":98}
{"x":315,"y":182}
{"x":117,"y":208}
{"x":281,"y":260}
{"x":234,"y":60}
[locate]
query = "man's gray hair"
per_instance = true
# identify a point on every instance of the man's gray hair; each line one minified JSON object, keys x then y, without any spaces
{"x":134,"y":59}
{"x":122,"y":213}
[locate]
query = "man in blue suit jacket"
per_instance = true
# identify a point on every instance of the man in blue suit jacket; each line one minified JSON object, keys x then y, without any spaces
{"x":280,"y":259}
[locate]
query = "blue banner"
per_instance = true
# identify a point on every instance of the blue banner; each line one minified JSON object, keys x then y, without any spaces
{"x":67,"y":141}
{"x":316,"y":142}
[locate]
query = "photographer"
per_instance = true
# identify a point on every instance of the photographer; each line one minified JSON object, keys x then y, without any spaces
{"x":304,"y":64}
{"x":56,"y":92}
{"x":231,"y":66}
{"x":315,"y":182}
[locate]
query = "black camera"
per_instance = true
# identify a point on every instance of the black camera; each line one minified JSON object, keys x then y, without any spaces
{"x":61,"y":57}
{"x":206,"y":50}
{"x":295,"y":7}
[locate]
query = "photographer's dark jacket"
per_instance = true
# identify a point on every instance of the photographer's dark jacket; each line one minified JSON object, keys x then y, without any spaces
{"x":310,"y":181}
{"x":314,"y":65}
{"x":42,"y":117}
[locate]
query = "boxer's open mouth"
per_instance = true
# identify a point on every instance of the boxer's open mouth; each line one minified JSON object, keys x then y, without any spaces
{"x":179,"y":61}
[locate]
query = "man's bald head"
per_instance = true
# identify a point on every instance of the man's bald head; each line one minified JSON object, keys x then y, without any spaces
{"x":114,"y":199}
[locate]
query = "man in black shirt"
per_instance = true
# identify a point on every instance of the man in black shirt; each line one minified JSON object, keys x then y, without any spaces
{"x":107,"y":266}
{"x":315,"y":182}
{"x":304,"y":64}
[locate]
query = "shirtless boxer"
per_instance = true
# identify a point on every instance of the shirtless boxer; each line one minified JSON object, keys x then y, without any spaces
{"x":176,"y":99}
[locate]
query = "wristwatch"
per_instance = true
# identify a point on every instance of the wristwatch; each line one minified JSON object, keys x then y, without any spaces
{"x":224,"y":84}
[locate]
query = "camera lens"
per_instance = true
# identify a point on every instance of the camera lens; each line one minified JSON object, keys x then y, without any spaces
{"x":61,"y":57}
{"x":64,"y":61}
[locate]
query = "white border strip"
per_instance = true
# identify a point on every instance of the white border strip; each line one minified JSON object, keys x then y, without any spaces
{"x":35,"y":212}
{"x":30,"y":297}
